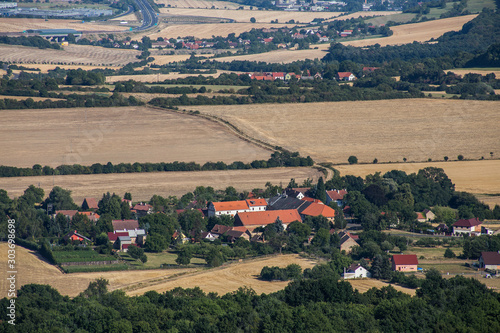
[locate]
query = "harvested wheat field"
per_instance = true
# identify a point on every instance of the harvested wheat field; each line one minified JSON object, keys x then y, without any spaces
{"x":205,"y":30}
{"x":478,"y":177}
{"x":364,"y":284}
{"x":243,"y":16}
{"x":416,"y":32}
{"x":44,"y":68}
{"x":21,"y":24}
{"x":363,"y":14}
{"x":463,"y":71}
{"x":231,"y":277}
{"x":31,"y":268}
{"x":389,"y":130}
{"x":159,"y":77}
{"x":130,"y":134}
{"x":200,"y":4}
{"x":282,"y":56}
{"x":72,"y":54}
{"x":143,"y":186}
{"x":167,"y":59}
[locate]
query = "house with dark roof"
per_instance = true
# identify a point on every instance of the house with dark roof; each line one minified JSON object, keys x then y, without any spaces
{"x":89,"y":204}
{"x":220,"y":229}
{"x":337,"y":196}
{"x":297,"y":192}
{"x":490,"y":260}
{"x":283,"y":202}
{"x":347,"y":242}
{"x":429,"y":215}
{"x":356,"y":271}
{"x":405,"y":262}
{"x":252,"y":220}
{"x":467,"y":226}
{"x":113,"y":236}
{"x":125,"y":225}
{"x":68,"y":213}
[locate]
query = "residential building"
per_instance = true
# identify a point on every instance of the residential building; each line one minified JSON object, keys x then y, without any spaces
{"x":356,"y":271}
{"x":234,"y":207}
{"x":125,"y":225}
{"x":347,"y":242}
{"x":337,"y":196}
{"x":283,"y":202}
{"x":490,"y":260}
{"x":74,"y":236}
{"x":467,"y":226}
{"x":345,"y":76}
{"x":318,"y":209}
{"x":405,"y":262}
{"x":429,"y":215}
{"x":252,"y":220}
{"x":90,"y":204}
{"x":142,"y":209}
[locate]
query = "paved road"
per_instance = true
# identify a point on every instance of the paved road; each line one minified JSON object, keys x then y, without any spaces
{"x":148,"y":14}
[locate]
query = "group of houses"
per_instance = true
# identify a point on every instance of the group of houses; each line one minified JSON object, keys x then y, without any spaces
{"x":273,"y":76}
{"x":399,"y":263}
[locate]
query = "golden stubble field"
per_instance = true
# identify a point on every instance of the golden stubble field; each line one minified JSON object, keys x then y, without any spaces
{"x":160,"y":77}
{"x":129,"y":134}
{"x":71,"y":55}
{"x":143,"y":186}
{"x":403,"y":34}
{"x":416,"y":32}
{"x":389,"y":130}
{"x":200,"y":4}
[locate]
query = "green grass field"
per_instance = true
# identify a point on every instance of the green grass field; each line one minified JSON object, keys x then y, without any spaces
{"x":95,"y":268}
{"x":432,"y":252}
{"x":80,"y":256}
{"x":476,"y":6}
{"x":160,"y":260}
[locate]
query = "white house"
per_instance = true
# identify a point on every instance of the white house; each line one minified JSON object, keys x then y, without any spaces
{"x":234,"y":207}
{"x":356,"y":271}
{"x":490,"y":260}
{"x":470,"y":227}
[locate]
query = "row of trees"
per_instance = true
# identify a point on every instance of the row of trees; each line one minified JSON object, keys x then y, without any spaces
{"x":277,"y":159}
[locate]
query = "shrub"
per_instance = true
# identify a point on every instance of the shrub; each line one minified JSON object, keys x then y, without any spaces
{"x":352,"y":159}
{"x":460,"y":157}
{"x":449,"y":253}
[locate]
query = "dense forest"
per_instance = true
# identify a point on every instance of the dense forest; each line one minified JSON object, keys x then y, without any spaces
{"x":322,"y":303}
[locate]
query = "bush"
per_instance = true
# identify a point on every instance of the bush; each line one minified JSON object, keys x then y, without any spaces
{"x":135,"y":252}
{"x":449,"y":253}
{"x":460,"y":157}
{"x":352,"y":159}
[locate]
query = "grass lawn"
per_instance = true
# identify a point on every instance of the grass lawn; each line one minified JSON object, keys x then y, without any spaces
{"x":475,"y":6}
{"x":156,"y":260}
{"x":400,"y":18}
{"x":453,"y":268}
{"x":432,"y":252}
{"x":439,"y":94}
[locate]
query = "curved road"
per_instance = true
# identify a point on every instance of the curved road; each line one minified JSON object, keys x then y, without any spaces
{"x":149,"y":18}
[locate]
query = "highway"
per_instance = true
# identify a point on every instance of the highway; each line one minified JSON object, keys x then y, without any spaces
{"x":149,"y":18}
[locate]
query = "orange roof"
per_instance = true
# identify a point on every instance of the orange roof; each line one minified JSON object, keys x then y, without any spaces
{"x":230,"y":205}
{"x":315,"y":209}
{"x":420,"y":216}
{"x":240,"y":228}
{"x":269,"y":216}
{"x":344,"y":74}
{"x":336,"y":194}
{"x":256,"y":202}
{"x":91,"y":203}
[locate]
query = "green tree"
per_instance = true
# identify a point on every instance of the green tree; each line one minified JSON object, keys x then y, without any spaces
{"x":156,"y":243}
{"x":60,"y":199}
{"x":135,"y":252}
{"x":321,"y":190}
{"x":449,"y":253}
{"x":253,"y":20}
{"x":352,"y":159}
{"x":184,"y":256}
{"x":215,"y":257}
{"x":381,"y":267}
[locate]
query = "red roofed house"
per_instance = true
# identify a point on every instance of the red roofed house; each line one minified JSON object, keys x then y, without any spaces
{"x":420,"y":217}
{"x":234,"y":207}
{"x":74,"y":236}
{"x":405,"y":262}
{"x":67,"y":213}
{"x":113,"y":236}
{"x":125,"y":225}
{"x":94,"y":217}
{"x":345,"y":76}
{"x":220,"y":229}
{"x":89,"y":204}
{"x":252,"y":220}
{"x":143,"y":209}
{"x":470,"y":226}
{"x":370,"y":69}
{"x":319,"y":209}
{"x":490,"y":260}
{"x":337,"y":196}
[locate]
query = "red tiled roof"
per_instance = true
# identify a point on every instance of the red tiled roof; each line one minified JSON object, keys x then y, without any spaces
{"x":491,"y":258}
{"x":467,"y":223}
{"x":256,"y":202}
{"x":268,"y":217}
{"x":230,"y":205}
{"x":315,"y":209}
{"x":336,"y":194}
{"x":113,"y":236}
{"x":91,"y":215}
{"x":344,"y":74}
{"x":220,"y":229}
{"x":240,"y":228}
{"x":69,"y":213}
{"x":420,"y":216}
{"x":311,"y":200}
{"x":405,"y":259}
{"x":142,"y":207}
{"x":91,"y":203}
{"x":125,"y":224}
